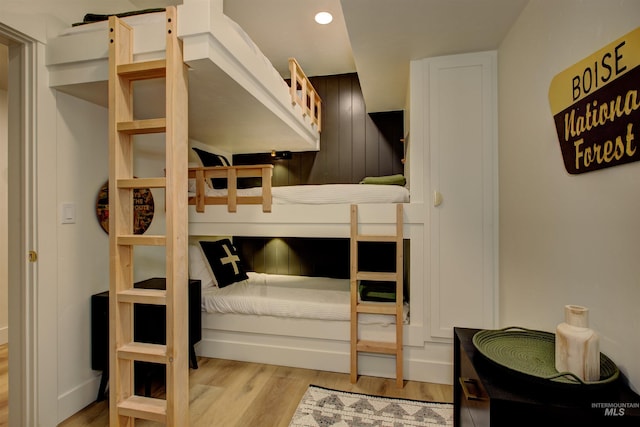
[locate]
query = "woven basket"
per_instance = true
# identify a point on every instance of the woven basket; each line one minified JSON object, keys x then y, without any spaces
{"x":532,"y":354}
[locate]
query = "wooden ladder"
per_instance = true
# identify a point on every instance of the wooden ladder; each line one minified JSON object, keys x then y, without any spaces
{"x":125,"y":405}
{"x":394,"y":309}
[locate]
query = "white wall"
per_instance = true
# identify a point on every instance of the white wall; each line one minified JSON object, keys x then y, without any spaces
{"x":83,"y":248}
{"x":564,"y":239}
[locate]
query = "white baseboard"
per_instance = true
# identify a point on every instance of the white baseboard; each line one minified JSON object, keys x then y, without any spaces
{"x":332,"y":360}
{"x":4,"y":335}
{"x":77,"y":398}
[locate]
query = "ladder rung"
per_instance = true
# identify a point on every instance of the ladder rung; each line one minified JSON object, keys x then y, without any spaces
{"x":374,"y":238}
{"x":377,"y":347}
{"x":143,"y":70}
{"x":146,"y":408}
{"x":143,"y":296}
{"x":143,"y":352}
{"x":379,"y":308}
{"x":142,"y":183}
{"x":142,"y":240}
{"x":376,"y":276}
{"x":139,"y":127}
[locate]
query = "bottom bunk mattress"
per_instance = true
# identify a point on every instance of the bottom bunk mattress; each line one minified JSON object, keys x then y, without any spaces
{"x":289,"y":296}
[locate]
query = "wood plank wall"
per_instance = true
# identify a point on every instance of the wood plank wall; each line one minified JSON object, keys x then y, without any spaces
{"x":328,"y":257}
{"x":353,"y":144}
{"x":295,"y":255}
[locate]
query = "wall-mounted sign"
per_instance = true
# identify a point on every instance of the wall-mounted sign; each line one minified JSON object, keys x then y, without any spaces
{"x":596,"y":107}
{"x":143,"y":208}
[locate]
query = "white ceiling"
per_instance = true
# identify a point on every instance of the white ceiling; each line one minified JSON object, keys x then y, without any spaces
{"x":285,"y":28}
{"x":376,"y":38}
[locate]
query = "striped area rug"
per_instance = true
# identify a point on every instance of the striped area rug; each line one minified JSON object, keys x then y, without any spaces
{"x":324,"y":407}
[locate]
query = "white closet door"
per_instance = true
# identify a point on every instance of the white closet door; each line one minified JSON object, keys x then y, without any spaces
{"x":463,"y":184}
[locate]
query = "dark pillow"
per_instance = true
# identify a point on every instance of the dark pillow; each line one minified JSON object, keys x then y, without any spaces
{"x":224,"y":261}
{"x":212,"y":159}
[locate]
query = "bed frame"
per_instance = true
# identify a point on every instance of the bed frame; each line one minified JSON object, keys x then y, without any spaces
{"x":304,"y":94}
{"x":231,"y":83}
{"x":320,"y":344}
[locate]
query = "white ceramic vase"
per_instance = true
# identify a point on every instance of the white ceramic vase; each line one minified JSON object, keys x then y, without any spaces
{"x":577,"y":346}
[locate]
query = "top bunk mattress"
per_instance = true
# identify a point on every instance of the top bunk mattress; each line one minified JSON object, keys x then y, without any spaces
{"x":231,"y":82}
{"x":327,"y":194}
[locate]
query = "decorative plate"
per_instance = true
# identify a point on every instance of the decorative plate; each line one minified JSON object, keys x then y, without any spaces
{"x":532,"y":353}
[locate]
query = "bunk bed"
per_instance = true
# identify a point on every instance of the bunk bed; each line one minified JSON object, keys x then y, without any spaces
{"x":228,"y":74}
{"x":310,"y":341}
{"x":290,"y":320}
{"x":278,"y":295}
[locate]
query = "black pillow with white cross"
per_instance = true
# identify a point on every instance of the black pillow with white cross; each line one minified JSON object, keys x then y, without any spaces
{"x":224,"y":261}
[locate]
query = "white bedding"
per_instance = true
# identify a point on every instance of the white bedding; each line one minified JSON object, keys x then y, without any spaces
{"x":289,"y":296}
{"x":327,"y":194}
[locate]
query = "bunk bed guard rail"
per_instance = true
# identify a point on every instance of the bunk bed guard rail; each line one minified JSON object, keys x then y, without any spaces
{"x":203,"y":175}
{"x":304,"y":94}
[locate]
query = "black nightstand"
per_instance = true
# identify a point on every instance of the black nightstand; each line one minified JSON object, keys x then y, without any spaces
{"x":149,"y":325}
{"x":485,"y":394}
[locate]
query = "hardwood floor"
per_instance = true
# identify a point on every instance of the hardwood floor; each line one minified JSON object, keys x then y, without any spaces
{"x":4,"y":385}
{"x":225,"y":393}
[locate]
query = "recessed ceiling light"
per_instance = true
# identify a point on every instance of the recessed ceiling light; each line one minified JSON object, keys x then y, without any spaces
{"x":323,"y":18}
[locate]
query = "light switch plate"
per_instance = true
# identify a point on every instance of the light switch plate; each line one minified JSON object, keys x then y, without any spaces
{"x":68,"y":213}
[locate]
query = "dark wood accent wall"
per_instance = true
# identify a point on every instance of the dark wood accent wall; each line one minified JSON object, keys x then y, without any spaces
{"x":301,"y":256}
{"x":353,"y":144}
{"x":327,"y":257}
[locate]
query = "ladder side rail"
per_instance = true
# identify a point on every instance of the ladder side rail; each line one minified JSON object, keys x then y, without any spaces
{"x":177,"y":383}
{"x":399,"y":295}
{"x":120,"y":220}
{"x":354,"y":293}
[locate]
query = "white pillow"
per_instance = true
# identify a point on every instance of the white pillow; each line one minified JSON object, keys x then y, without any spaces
{"x":199,"y":267}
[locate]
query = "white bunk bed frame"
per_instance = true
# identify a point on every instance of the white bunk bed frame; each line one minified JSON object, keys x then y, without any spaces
{"x":230,"y":80}
{"x":78,"y":66}
{"x":319,"y":344}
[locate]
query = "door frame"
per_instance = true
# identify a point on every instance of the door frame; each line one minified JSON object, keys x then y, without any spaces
{"x":33,"y":344}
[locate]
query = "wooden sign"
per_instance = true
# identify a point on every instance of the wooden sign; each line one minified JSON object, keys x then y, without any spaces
{"x":596,"y":107}
{"x":143,"y":209}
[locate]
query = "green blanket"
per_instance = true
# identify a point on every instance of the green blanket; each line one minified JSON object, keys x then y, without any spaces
{"x":397,"y":179}
{"x":385,"y":292}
